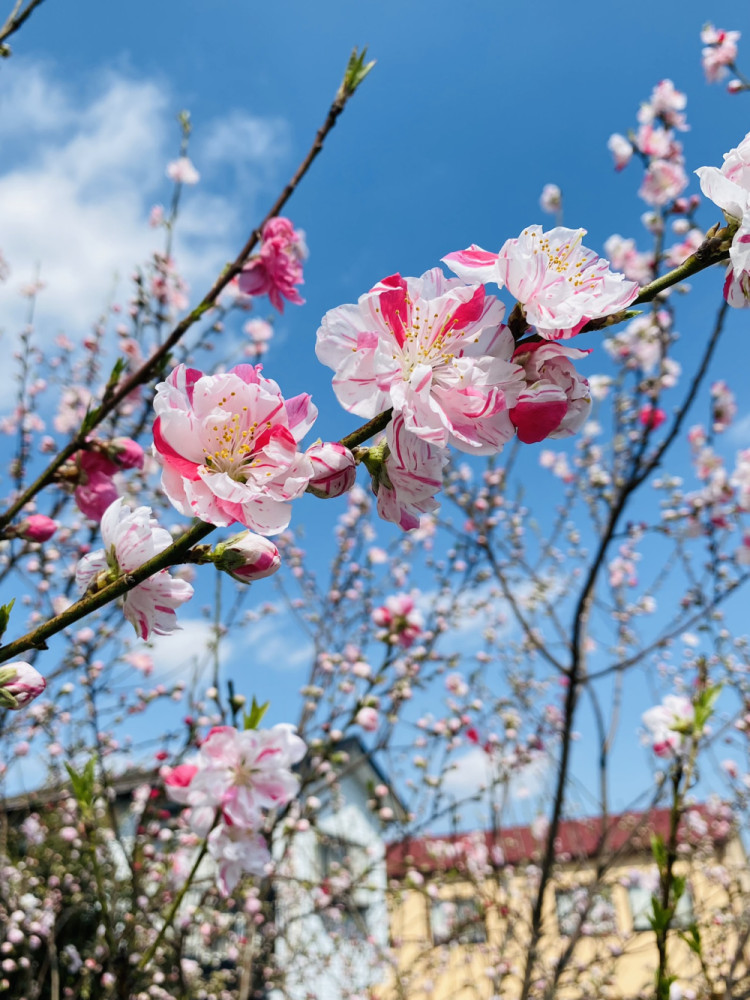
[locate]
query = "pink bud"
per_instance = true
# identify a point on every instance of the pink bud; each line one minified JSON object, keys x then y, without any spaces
{"x":247,"y":557}
{"x":181,"y":776}
{"x":126,"y":452}
{"x":94,"y":496}
{"x":20,"y":684}
{"x":367,"y":718}
{"x":335,"y":470}
{"x":735,"y":86}
{"x":651,"y":416}
{"x":37,"y":528}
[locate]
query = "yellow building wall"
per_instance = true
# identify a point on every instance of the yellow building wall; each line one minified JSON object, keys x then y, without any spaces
{"x":613,"y":966}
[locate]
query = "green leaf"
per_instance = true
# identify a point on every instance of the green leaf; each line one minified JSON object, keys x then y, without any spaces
{"x":678,"y":887}
{"x":704,"y":706}
{"x":90,"y":420}
{"x":114,"y":377}
{"x":83,"y":784}
{"x":692,"y":938}
{"x":356,"y":71}
{"x":253,"y":718}
{"x":659,"y":851}
{"x":660,"y":916}
{"x":5,"y":611}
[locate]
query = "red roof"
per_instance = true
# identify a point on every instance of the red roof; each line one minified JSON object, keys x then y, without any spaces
{"x":629,"y":832}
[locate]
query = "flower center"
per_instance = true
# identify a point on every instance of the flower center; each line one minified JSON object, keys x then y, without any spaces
{"x":427,"y":339}
{"x":232,"y":445}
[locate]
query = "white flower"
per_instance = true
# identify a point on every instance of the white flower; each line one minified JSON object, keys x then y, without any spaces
{"x":182,"y":171}
{"x":131,"y":538}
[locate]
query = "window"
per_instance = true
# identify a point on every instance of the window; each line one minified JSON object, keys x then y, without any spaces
{"x":594,"y":907}
{"x":459,"y":919}
{"x":639,"y":897}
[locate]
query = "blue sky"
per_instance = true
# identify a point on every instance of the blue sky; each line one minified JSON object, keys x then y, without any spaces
{"x":468,"y":113}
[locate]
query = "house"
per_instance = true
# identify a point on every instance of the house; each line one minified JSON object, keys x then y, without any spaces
{"x":460,"y":909}
{"x":326,"y":900}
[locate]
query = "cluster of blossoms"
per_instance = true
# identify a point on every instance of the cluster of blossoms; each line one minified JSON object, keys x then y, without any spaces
{"x":92,"y":473}
{"x":719,"y":53}
{"x":400,"y":622}
{"x":236,"y":777}
{"x":435,"y":351}
{"x":277,"y":269}
{"x":658,"y":119}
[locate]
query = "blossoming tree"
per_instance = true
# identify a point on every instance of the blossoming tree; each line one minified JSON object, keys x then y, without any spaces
{"x":451,"y":391}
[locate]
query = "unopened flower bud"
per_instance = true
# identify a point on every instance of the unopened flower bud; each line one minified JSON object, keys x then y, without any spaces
{"x":126,"y":452}
{"x":247,"y":557}
{"x":367,"y":718}
{"x":20,"y":684}
{"x":735,"y":86}
{"x":36,"y":528}
{"x":335,"y":470}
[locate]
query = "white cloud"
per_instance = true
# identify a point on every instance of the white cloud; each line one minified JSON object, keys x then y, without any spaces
{"x":472,"y":774}
{"x":278,"y":643}
{"x":739,"y":432}
{"x":85,"y":168}
{"x":186,"y":651}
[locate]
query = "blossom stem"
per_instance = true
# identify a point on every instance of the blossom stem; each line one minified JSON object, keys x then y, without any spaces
{"x":172,"y":912}
{"x":714,"y":250}
{"x":152,"y":366}
{"x":174,"y":554}
{"x":368,"y":430}
{"x":16,"y":18}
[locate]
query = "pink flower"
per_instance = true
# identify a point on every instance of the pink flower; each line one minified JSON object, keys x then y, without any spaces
{"x":729,"y":188}
{"x":663,"y":181}
{"x":96,"y":489}
{"x":182,"y":171}
{"x":156,"y":216}
{"x":334,"y":469}
{"x":651,"y":416}
{"x":667,"y":104}
{"x":666,"y":724}
{"x":657,"y":142}
{"x":237,"y":851}
{"x":36,"y":528}
{"x":177,"y":781}
{"x":20,"y":683}
{"x":243,"y":773}
{"x":405,"y":476}
{"x":401,"y":621}
{"x":719,"y":53}
{"x":247,"y":557}
{"x":278,"y":267}
{"x":228,"y":447}
{"x":456,"y":684}
{"x":625,"y":257}
{"x":557,"y":399}
{"x":130,"y":539}
{"x":621,"y":150}
{"x":368,"y":719}
{"x":260,"y":333}
{"x":559,"y":282}
{"x":433,"y":349}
